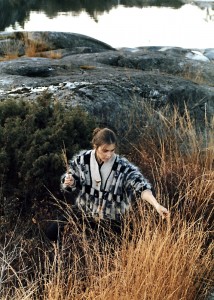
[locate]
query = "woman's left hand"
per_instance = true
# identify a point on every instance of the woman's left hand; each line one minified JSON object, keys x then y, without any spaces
{"x":163,"y":212}
{"x":148,"y":196}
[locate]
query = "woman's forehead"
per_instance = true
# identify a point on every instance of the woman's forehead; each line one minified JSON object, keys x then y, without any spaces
{"x":108,"y":147}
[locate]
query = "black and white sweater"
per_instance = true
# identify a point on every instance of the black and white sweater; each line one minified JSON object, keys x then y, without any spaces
{"x":105,"y":191}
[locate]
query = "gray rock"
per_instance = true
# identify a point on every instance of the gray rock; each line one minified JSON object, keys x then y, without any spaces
{"x":209,"y":53}
{"x":45,"y":40}
{"x":111,"y":84}
{"x":197,"y":55}
{"x":24,"y":67}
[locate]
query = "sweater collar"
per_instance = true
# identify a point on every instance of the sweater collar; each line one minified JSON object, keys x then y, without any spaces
{"x":99,"y":175}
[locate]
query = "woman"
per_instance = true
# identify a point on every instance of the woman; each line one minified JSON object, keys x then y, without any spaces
{"x":107,"y":182}
{"x":106,"y":185}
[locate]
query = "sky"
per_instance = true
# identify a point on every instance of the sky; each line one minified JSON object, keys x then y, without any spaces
{"x":187,"y":27}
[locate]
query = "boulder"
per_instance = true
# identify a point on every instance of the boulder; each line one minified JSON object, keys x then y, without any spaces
{"x":111,"y":84}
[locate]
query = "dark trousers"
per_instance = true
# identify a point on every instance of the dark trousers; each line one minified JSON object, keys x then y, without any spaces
{"x":78,"y":222}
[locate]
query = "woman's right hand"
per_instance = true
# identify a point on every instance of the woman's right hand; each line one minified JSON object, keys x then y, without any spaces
{"x":69,"y":181}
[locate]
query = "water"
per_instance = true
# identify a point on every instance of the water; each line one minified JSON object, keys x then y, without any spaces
{"x":117,"y":23}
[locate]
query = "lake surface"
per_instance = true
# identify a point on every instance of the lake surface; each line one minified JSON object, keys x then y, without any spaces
{"x":117,"y":23}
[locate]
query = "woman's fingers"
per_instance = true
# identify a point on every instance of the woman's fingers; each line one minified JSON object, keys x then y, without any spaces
{"x":69,"y":180}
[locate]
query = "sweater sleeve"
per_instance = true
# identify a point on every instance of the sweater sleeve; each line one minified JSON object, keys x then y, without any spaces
{"x":135,"y":180}
{"x":74,"y":170}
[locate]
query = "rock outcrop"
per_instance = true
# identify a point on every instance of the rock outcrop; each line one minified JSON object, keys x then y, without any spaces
{"x":109,"y":83}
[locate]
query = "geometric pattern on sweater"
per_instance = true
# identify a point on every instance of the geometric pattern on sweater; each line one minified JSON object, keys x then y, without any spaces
{"x":107,"y":191}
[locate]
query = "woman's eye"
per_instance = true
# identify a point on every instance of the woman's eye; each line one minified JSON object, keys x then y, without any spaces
{"x":105,"y":151}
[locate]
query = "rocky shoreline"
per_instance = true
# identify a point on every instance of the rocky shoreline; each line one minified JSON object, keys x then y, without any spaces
{"x":107,"y":82}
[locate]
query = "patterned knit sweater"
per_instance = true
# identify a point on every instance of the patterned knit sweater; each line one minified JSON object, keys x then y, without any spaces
{"x":105,"y":191}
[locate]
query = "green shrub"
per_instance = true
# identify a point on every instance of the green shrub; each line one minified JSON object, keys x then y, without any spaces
{"x":33,"y":136}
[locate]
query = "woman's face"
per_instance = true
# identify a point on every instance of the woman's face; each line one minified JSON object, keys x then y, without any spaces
{"x":105,"y":152}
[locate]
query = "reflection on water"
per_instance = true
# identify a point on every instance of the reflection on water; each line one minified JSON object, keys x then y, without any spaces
{"x":117,"y":22}
{"x":12,"y":11}
{"x":208,"y":7}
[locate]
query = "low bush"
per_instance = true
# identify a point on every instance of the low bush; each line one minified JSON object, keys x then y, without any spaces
{"x":32,"y":138}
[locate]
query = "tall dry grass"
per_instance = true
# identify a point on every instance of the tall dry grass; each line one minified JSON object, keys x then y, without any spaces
{"x":30,"y":48}
{"x":160,"y":261}
{"x":155,"y":259}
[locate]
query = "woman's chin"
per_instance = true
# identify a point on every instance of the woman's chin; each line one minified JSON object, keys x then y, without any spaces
{"x":105,"y":160}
